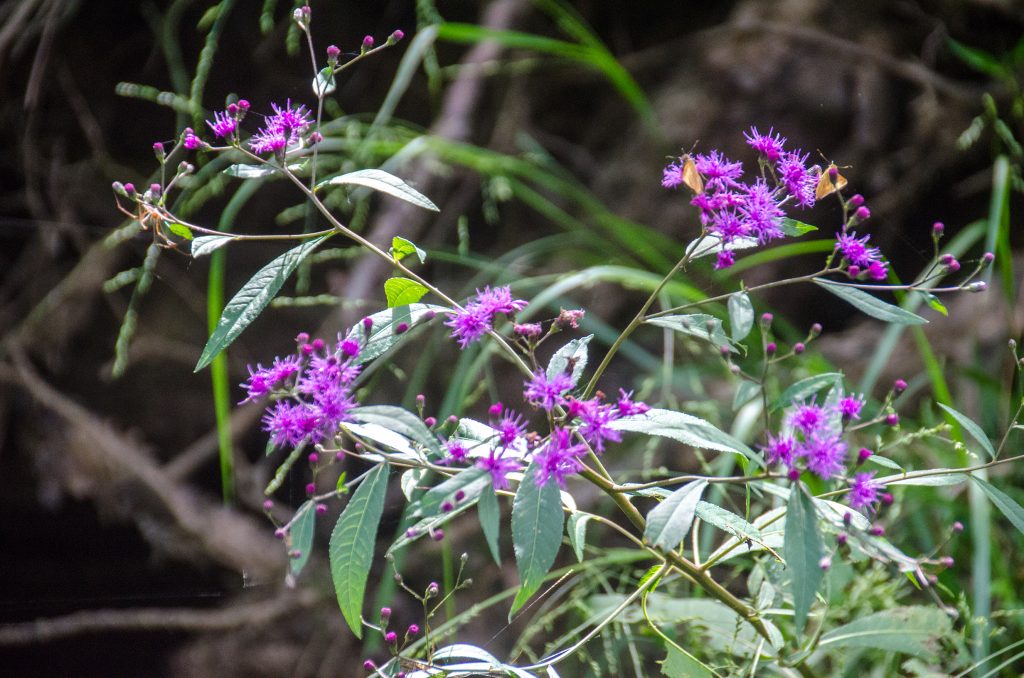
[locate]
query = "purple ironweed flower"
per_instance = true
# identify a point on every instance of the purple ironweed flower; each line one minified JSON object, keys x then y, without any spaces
{"x":190,"y":140}
{"x":781,"y":449}
{"x":808,"y":418}
{"x":289,"y":423}
{"x":283,"y":129}
{"x":627,"y":406}
{"x":547,"y":393}
{"x":469,"y":325}
{"x":856,"y":251}
{"x":770,"y":145}
{"x":799,"y":181}
{"x":510,"y":427}
{"x":863,"y":490}
{"x":223,"y":125}
{"x":850,"y":406}
{"x":263,"y":379}
{"x":720,"y":173}
{"x":725,"y":259}
{"x":825,"y":455}
{"x":457,"y":453}
{"x":762,"y":213}
{"x":499,"y":468}
{"x":595,"y":418}
{"x":558,"y":458}
{"x":672,"y":176}
{"x":477,"y":318}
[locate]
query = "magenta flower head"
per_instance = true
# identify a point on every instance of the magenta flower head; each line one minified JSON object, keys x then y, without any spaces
{"x":770,"y":146}
{"x":223,"y":125}
{"x":283,"y":129}
{"x":190,"y":140}
{"x":547,"y":393}
{"x":499,"y":468}
{"x":863,"y":490}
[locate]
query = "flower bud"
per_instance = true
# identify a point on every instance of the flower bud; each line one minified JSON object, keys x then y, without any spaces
{"x":495,"y":409}
{"x":391,"y":638}
{"x":385,"y":615}
{"x":332,"y":55}
{"x":833,"y":173}
{"x":433,"y":589}
{"x":411,"y":533}
{"x":302,"y":16}
{"x":430,"y":422}
{"x":119,"y":189}
{"x":863,"y":455}
{"x":314,"y":458}
{"x":395,"y":37}
{"x":437,"y":535}
{"x":842,"y":538}
{"x":280,"y":533}
{"x":766,"y":320}
{"x":862,"y":213}
{"x":793,"y":474}
{"x":159,"y":152}
{"x":367,"y":44}
{"x":899,"y":386}
{"x":311,"y":489}
{"x":988,"y":258}
{"x":367,"y":324}
{"x":877,"y":531}
{"x":886,"y":499}
{"x":853,"y":270}
{"x":958,"y":527}
{"x":978,"y":286}
{"x":815,"y":329}
{"x":460,"y":495}
{"x":401,"y":328}
{"x":946,"y":561}
{"x":799,"y":347}
{"x":892,"y":419}
{"x":368,"y":665}
{"x":847,"y":518}
{"x":268,"y":504}
{"x":412,"y":630}
{"x":937,"y":228}
{"x":771,"y":348}
{"x":446,"y":506}
{"x":321,"y":509}
{"x":855,"y":200}
{"x":825,"y":563}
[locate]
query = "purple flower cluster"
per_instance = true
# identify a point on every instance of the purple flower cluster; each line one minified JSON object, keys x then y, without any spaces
{"x":812,"y":439}
{"x":283,"y":129}
{"x":313,"y":388}
{"x":859,"y":257}
{"x":476,"y":319}
{"x":730,"y":208}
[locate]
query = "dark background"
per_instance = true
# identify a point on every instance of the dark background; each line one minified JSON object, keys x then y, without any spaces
{"x":108,"y":488}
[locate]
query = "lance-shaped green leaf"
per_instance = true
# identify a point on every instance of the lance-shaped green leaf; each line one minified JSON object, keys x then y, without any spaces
{"x":301,"y":537}
{"x":352,"y":542}
{"x":537,"y":521}
{"x":670,"y":521}
{"x":807,"y":387}
{"x":490,"y":519}
{"x":384,"y":326}
{"x":1010,"y":508}
{"x":685,"y":428}
{"x":872,"y":306}
{"x":577,"y":531}
{"x":207,"y":244}
{"x":381,"y":181}
{"x":401,"y":248}
{"x":402,"y":291}
{"x":254,"y":296}
{"x":972,"y":429}
{"x":795,"y":229}
{"x":727,"y":521}
{"x":249,"y":171}
{"x":803,"y":553}
{"x":917,"y":631}
{"x":699,"y":325}
{"x":679,"y":663}
{"x":741,"y":315}
{"x":180,"y":230}
{"x":399,"y":420}
{"x":471,"y":481}
{"x":573,"y":353}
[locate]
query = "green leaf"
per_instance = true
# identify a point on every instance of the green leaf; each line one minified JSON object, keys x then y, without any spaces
{"x":379,"y":180}
{"x":301,"y":537}
{"x":352,"y":543}
{"x":807,"y":387}
{"x":795,"y":229}
{"x":741,"y":315}
{"x":382,"y":335}
{"x":872,"y":306}
{"x":401,"y":421}
{"x":206,"y":244}
{"x":700,"y":325}
{"x":537,"y":521}
{"x":577,"y":531}
{"x":180,"y":230}
{"x":401,"y":248}
{"x":679,"y":663}
{"x":249,"y":171}
{"x":490,"y":519}
{"x":727,"y":521}
{"x":935,"y":304}
{"x":803,"y":553}
{"x":917,"y":631}
{"x":402,"y":291}
{"x":574,"y":353}
{"x":978,"y":59}
{"x":886,"y":462}
{"x":670,"y":521}
{"x":254,"y":296}
{"x":685,"y":428}
{"x":972,"y":428}
{"x":1011,"y":509}
{"x":929,"y":481}
{"x":471,"y":481}
{"x":745,"y":392}
{"x":323,"y":83}
{"x":340,"y":485}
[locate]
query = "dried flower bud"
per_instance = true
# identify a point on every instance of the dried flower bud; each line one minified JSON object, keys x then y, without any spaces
{"x":570,"y":318}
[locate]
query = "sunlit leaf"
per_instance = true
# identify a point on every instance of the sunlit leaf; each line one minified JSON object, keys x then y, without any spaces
{"x":872,"y":306}
{"x":249,"y":171}
{"x":402,"y":291}
{"x":323,"y":83}
{"x":972,"y":429}
{"x":206,"y":244}
{"x":388,"y":327}
{"x":741,"y":315}
{"x":381,"y":181}
{"x":401,"y":248}
{"x":573,"y":353}
{"x":699,"y":325}
{"x":352,"y":544}
{"x":669,"y":522}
